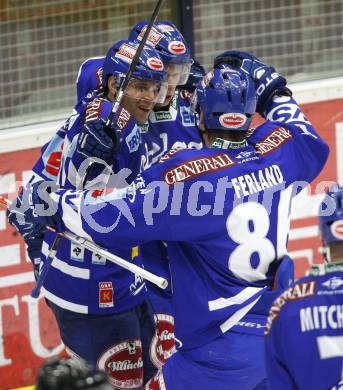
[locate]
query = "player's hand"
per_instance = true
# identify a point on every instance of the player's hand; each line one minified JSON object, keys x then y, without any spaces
{"x":267,"y":81}
{"x":95,"y":140}
{"x":16,"y":213}
{"x":34,"y":210}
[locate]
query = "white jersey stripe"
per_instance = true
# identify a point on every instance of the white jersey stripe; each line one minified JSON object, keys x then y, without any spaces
{"x":70,"y":270}
{"x":238,"y":299}
{"x":63,"y":303}
{"x":238,"y":315}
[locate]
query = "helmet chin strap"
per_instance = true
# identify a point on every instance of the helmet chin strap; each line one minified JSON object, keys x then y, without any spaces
{"x":327,"y":254}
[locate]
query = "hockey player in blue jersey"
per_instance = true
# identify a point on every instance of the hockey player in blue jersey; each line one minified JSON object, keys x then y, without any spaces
{"x":224,"y":213}
{"x":171,"y":125}
{"x":304,"y":334}
{"x":100,"y":308}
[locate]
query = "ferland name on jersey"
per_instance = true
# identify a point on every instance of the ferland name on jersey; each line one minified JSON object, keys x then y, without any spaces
{"x":254,"y":182}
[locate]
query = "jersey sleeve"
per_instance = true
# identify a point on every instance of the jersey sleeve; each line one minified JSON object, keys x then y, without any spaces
{"x":310,"y":150}
{"x":89,"y":76}
{"x":144,"y":211}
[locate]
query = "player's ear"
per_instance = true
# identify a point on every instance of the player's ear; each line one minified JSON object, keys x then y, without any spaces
{"x":112,"y":86}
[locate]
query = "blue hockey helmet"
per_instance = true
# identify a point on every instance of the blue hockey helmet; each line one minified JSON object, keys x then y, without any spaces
{"x":170,"y":45}
{"x":227,"y":99}
{"x":196,"y":74}
{"x":120,"y":55}
{"x":331,"y":216}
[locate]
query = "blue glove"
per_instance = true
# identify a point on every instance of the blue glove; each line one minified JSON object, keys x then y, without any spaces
{"x":267,"y":81}
{"x":96,"y":140}
{"x":16,"y":213}
{"x":34,"y":210}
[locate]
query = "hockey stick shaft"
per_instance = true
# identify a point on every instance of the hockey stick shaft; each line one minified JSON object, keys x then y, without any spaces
{"x":157,"y":280}
{"x":46,"y":266}
{"x":133,"y":64}
{"x":125,"y":83}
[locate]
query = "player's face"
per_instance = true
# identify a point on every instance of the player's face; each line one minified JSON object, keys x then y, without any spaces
{"x":140,"y":98}
{"x":174,"y":74}
{"x":336,"y":251}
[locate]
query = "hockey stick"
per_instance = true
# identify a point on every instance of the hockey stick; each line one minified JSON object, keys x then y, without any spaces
{"x":125,"y":83}
{"x":157,"y":280}
{"x":133,"y":65}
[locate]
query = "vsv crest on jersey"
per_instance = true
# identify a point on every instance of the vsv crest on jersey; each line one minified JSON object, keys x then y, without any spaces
{"x":163,"y":342}
{"x":124,"y":363}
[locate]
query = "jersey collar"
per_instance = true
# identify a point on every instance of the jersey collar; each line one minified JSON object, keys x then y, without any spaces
{"x":322,"y":269}
{"x":224,"y":144}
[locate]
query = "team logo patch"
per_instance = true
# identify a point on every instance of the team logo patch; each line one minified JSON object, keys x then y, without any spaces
{"x":133,"y":140}
{"x":276,"y":138}
{"x":176,"y":47}
{"x":155,"y":63}
{"x":124,"y":364}
{"x":232,"y":120}
{"x":163,"y":343}
{"x":126,"y":52}
{"x":153,"y":38}
{"x":105,"y":294}
{"x":333,"y":283}
{"x":77,"y":252}
{"x":337,"y":229}
{"x":123,"y":118}
{"x":197,"y":167}
{"x":93,"y":109}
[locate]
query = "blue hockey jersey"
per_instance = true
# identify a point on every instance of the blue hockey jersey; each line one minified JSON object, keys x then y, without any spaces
{"x":171,"y":127}
{"x":304,"y":334}
{"x":78,"y":278}
{"x":89,"y":77}
{"x":224,"y":214}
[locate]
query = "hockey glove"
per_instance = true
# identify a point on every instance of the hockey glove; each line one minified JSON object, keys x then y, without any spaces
{"x":96,"y":140}
{"x":33,"y":210}
{"x":267,"y":81}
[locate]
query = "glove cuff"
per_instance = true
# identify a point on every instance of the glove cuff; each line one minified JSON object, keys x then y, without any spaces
{"x":279,"y":91}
